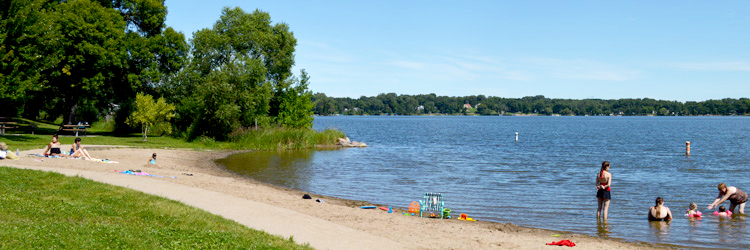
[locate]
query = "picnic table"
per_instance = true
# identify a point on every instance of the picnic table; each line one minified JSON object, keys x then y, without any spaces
{"x":76,"y":128}
{"x":5,"y":125}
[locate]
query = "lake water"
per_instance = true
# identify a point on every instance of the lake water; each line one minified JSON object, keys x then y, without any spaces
{"x":545,"y":180}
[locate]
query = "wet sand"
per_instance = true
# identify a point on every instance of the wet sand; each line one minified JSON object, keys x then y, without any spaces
{"x":333,"y":224}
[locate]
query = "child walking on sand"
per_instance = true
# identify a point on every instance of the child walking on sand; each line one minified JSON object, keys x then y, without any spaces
{"x":693,"y":210}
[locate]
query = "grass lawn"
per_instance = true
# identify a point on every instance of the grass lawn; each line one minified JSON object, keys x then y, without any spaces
{"x":28,"y":141}
{"x":26,"y":138}
{"x":41,"y":210}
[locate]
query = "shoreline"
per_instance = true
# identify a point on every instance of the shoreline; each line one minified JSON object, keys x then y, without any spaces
{"x":335,"y":224}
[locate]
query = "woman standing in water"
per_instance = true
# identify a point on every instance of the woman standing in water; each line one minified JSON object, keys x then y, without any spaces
{"x":735,"y":196}
{"x":603,"y":182}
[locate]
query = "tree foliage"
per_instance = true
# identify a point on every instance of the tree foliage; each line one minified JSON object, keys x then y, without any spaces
{"x":296,"y":104}
{"x":74,"y":57}
{"x":85,"y":58}
{"x":148,"y":112}
{"x":240,"y":76}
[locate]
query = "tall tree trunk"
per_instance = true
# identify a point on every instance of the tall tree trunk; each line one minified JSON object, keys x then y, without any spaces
{"x":72,"y":115}
{"x":145,"y":132}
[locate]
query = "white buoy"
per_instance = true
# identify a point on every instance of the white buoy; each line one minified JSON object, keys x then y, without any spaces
{"x":687,"y":147}
{"x":516,"y":136}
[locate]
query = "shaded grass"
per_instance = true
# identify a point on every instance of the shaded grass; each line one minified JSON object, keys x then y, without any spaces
{"x":27,"y":141}
{"x":261,"y":139}
{"x":42,"y":210}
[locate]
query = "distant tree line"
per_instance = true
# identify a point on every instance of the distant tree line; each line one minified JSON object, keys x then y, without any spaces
{"x":392,"y":104}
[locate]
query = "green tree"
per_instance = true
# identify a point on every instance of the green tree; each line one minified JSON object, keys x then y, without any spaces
{"x":60,"y":57}
{"x":149,"y":112}
{"x":296,"y":108}
{"x":239,"y":76}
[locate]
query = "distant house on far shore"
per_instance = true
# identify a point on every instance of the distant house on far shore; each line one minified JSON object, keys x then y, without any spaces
{"x":467,"y":106}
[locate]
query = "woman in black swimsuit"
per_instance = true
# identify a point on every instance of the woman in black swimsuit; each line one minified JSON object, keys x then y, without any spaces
{"x":54,"y":147}
{"x":659,"y":212}
{"x":603,"y":195}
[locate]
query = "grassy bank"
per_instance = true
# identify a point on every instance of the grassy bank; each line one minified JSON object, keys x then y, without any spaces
{"x":284,"y":138}
{"x":255,"y":139}
{"x":42,"y":210}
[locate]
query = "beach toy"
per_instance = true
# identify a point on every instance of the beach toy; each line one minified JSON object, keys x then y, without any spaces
{"x":414,"y":207}
{"x":463,"y":217}
{"x":447,"y":213}
{"x":466,"y":218}
{"x":390,"y":210}
{"x":367,"y":207}
{"x":696,"y":214}
{"x":383,"y":208}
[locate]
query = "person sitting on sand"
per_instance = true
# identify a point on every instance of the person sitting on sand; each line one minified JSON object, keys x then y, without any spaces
{"x":735,"y":196}
{"x":659,"y":212}
{"x":78,"y":150}
{"x":693,"y":211}
{"x":723,"y":212}
{"x":152,"y":161}
{"x":54,"y":148}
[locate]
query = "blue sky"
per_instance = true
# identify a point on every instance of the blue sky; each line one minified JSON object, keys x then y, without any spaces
{"x":669,"y":50}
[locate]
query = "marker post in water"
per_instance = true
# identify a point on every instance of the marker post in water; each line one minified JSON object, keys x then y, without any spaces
{"x":516,"y":136}
{"x":687,"y":147}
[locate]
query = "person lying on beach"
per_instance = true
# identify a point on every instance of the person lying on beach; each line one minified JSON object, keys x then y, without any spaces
{"x":54,"y":148}
{"x":77,"y":150}
{"x":4,"y":154}
{"x":735,"y":196}
{"x":659,"y":212}
{"x":723,"y":212}
{"x":693,"y":211}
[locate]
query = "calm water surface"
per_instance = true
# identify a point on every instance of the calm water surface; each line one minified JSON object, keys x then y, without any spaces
{"x":545,"y":180}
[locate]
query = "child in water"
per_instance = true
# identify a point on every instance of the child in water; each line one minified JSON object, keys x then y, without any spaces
{"x":693,"y":210}
{"x":722,"y":212}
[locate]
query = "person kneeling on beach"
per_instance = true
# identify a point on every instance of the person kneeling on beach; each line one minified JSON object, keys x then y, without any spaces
{"x":659,"y":212}
{"x":77,"y":150}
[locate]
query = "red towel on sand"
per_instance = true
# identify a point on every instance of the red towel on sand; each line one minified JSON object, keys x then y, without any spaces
{"x":562,"y":243}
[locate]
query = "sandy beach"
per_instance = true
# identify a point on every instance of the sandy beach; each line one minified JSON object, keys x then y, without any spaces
{"x":193,"y":178}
